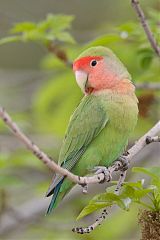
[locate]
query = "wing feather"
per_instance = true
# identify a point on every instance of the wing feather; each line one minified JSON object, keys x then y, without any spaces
{"x":85,"y":124}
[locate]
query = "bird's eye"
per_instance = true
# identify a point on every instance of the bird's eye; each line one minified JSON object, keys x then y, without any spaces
{"x":93,"y":63}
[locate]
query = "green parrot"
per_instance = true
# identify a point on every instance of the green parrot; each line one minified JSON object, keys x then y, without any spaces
{"x":100,"y":126}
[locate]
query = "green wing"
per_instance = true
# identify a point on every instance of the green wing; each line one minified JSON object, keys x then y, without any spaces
{"x":85,"y":124}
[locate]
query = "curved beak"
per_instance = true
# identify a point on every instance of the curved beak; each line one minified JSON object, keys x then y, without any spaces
{"x":81,"y":79}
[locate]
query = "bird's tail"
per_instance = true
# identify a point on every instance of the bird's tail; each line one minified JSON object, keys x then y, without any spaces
{"x":53,"y":202}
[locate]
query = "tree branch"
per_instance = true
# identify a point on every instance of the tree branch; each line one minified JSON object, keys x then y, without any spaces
{"x":44,"y":158}
{"x":60,"y":54}
{"x":148,"y":86}
{"x":62,"y":171}
{"x":149,"y":137}
{"x":143,"y":141}
{"x":145,"y":25}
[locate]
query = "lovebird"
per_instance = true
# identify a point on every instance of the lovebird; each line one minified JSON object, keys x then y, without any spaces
{"x":99,"y":128}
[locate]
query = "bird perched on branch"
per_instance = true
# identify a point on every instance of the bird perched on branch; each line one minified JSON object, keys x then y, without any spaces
{"x":99,"y":128}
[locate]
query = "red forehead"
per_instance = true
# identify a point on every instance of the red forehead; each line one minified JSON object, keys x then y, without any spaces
{"x":84,"y":61}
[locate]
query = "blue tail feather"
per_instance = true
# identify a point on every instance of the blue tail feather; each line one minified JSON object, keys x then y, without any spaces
{"x":52,"y":204}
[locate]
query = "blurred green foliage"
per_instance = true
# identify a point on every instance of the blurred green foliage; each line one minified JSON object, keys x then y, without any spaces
{"x":54,"y":27}
{"x":53,"y":103}
{"x":57,"y":98}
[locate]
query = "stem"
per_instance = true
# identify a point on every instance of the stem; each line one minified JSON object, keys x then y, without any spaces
{"x":148,"y":86}
{"x":145,"y":25}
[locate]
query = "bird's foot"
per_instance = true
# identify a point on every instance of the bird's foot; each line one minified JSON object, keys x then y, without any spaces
{"x":105,"y":171}
{"x":124,"y":162}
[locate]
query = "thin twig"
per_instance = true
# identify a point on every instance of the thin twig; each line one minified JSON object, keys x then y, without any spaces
{"x":148,"y":86}
{"x":142,"y":142}
{"x":59,"y":53}
{"x":145,"y":25}
{"x":105,"y":211}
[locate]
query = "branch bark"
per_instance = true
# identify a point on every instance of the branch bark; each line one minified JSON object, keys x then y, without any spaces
{"x":43,"y":156}
{"x":61,"y":54}
{"x":146,"y":27}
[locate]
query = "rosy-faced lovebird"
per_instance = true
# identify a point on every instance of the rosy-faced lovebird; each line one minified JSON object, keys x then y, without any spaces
{"x":100,"y":126}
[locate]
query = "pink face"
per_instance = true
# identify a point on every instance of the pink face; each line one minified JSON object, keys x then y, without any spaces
{"x":92,"y":74}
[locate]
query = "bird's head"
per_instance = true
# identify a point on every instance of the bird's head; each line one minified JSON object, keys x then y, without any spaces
{"x":98,"y":68}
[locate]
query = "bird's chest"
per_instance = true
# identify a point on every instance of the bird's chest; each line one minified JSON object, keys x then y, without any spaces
{"x":122,"y":114}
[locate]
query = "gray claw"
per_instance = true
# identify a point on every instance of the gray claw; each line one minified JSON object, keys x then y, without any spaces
{"x":105,"y":171}
{"x":124,"y":161}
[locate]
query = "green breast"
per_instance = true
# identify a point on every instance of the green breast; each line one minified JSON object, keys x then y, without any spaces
{"x":122,"y":111}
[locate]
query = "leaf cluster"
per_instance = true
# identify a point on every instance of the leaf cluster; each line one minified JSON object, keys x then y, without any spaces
{"x":131,"y":192}
{"x":54,"y":27}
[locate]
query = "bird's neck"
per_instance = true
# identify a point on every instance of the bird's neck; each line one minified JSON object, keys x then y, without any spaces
{"x":124,"y":86}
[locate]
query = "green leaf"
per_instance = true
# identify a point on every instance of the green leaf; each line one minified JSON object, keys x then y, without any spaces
{"x":138,"y":194}
{"x":91,"y":207}
{"x":127,"y":27}
{"x":101,"y":201}
{"x":127,"y":191}
{"x":65,"y":37}
{"x":52,"y":28}
{"x":104,"y":40}
{"x":23,"y":27}
{"x":34,"y":36}
{"x":10,"y":39}
{"x":135,"y":191}
{"x":59,"y":22}
{"x":106,"y":197}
